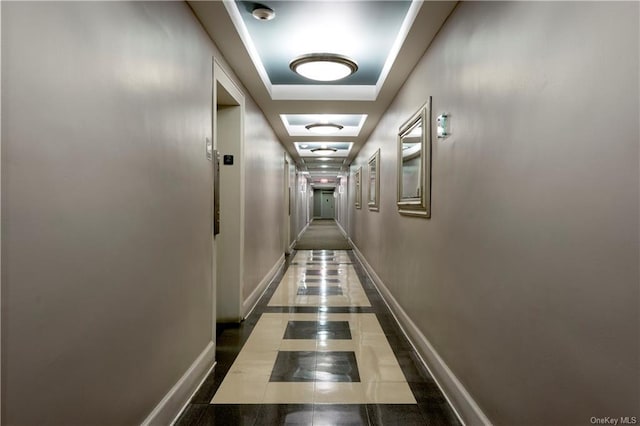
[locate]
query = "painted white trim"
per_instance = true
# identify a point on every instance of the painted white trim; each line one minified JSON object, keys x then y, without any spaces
{"x":252,"y":300}
{"x":332,"y":92}
{"x":328,"y":92}
{"x":301,"y":130}
{"x":302,"y":232}
{"x":220,"y":76}
{"x":344,"y":233}
{"x":465,"y":407}
{"x":411,"y":15}
{"x":1,"y":291}
{"x":243,"y":32}
{"x":168,"y":410}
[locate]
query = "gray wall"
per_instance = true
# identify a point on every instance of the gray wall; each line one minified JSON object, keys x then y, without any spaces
{"x":107,"y":207}
{"x":317,"y":203}
{"x":301,"y":201}
{"x":264,"y":200}
{"x":525,"y":279}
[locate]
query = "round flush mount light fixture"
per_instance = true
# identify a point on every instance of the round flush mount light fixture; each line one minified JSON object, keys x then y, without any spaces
{"x":323,"y":66}
{"x":263,"y":13}
{"x":325,"y":150}
{"x":323,"y":128}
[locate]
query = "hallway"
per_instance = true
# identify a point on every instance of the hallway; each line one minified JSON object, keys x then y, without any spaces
{"x":161,"y":161}
{"x":322,"y":234}
{"x":320,"y":348}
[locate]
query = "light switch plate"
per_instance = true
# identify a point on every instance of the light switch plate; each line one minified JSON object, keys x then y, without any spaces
{"x":209,"y":148}
{"x":443,"y":121}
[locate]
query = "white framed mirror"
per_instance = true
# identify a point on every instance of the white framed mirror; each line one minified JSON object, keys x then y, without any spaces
{"x":414,"y":164}
{"x":358,"y":187}
{"x":373,"y":189}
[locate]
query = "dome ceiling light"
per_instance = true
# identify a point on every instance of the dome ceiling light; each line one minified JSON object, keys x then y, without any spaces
{"x":263,"y":13}
{"x":323,"y":128}
{"x":324,"y":150}
{"x":323,"y":66}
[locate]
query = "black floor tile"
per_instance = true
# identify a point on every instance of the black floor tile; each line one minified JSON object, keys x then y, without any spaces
{"x":191,"y":415}
{"x":320,"y":291}
{"x":432,"y":407}
{"x":439,"y":414}
{"x":285,"y":414}
{"x":340,"y":414}
{"x":301,"y":330}
{"x":294,"y":366}
{"x":321,"y":272}
{"x":412,"y":367}
{"x":315,"y":310}
{"x":337,"y":366}
{"x":334,"y":330}
{"x":307,"y":366}
{"x":229,"y":414}
{"x":398,"y":342}
{"x":208,"y":388}
{"x":427,"y":393}
{"x":320,"y":280}
{"x":395,"y":414}
{"x":315,"y":329}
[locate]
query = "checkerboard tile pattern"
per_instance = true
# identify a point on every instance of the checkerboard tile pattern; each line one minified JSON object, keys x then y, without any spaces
{"x":379,"y":378}
{"x":320,"y":348}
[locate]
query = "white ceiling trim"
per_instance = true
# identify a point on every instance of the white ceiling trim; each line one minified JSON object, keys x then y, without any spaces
{"x":307,"y":154}
{"x":236,"y":18}
{"x":412,"y":13}
{"x":330,"y":92}
{"x":301,"y":130}
{"x":285,"y":92}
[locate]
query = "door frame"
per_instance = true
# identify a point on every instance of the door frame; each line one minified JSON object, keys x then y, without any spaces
{"x":228,"y":245}
{"x":287,"y":206}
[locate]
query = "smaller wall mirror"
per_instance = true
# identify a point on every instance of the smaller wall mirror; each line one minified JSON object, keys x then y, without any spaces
{"x":373,"y":189}
{"x":414,"y":164}
{"x":358,"y":183}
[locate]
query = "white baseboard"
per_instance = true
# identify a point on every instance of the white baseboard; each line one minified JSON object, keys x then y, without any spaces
{"x":250,"y":302}
{"x":303,"y":229}
{"x":168,"y":410}
{"x":459,"y":398}
{"x":344,"y":232}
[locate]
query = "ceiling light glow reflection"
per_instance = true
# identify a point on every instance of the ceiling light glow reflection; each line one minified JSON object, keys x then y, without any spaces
{"x":323,"y":66}
{"x":323,"y":71}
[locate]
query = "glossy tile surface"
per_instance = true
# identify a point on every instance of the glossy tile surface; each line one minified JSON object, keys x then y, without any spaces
{"x":310,"y":282}
{"x":318,"y":330}
{"x":321,"y":348}
{"x":371,"y":363}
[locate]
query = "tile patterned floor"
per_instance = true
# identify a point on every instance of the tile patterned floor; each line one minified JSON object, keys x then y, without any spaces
{"x":320,"y":348}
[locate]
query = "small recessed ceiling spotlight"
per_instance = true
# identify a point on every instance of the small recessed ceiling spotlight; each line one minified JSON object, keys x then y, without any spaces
{"x":262,"y":12}
{"x":325,"y":150}
{"x":323,"y":66}
{"x":323,"y":128}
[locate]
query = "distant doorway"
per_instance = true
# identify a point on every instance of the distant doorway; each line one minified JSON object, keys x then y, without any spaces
{"x":324,"y":204}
